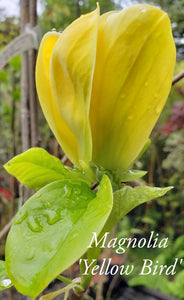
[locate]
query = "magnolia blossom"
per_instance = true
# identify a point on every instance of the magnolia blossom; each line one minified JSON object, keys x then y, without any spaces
{"x":102,"y":83}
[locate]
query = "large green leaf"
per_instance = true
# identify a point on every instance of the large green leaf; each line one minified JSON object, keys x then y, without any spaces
{"x":52,"y":230}
{"x":124,"y":201}
{"x":5,"y":282}
{"x":36,"y":168}
{"x":128,"y":198}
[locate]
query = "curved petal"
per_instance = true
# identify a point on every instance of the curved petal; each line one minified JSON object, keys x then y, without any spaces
{"x":72,"y":68}
{"x":132,"y":79}
{"x":63,"y":134}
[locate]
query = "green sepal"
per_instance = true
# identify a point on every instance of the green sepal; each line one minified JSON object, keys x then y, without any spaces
{"x":116,"y":176}
{"x":52,"y":230}
{"x":5,"y":282}
{"x":36,"y":168}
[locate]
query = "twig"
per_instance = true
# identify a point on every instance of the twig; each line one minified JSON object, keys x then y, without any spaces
{"x":64,"y":279}
{"x":64,"y":159}
{"x":178,"y":77}
{"x":111,"y":286}
{"x":6,"y":228}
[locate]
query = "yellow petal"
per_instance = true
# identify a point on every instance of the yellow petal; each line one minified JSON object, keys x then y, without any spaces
{"x":132,"y":79}
{"x":72,"y":68}
{"x":63,"y":134}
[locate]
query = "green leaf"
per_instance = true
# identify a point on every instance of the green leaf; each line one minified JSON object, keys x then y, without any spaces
{"x":124,"y":201}
{"x":128,"y":198}
{"x":36,"y":168}
{"x":132,"y":175}
{"x":52,"y":230}
{"x":5,"y":282}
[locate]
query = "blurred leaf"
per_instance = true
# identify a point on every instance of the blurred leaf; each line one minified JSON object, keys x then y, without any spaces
{"x":16,"y":62}
{"x":3,"y":76}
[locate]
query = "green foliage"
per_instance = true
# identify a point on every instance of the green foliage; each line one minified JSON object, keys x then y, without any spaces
{"x":52,"y":230}
{"x":9,"y":114}
{"x":118,"y":176}
{"x":128,"y":198}
{"x":171,"y":286}
{"x":9,"y":29}
{"x":36,"y":168}
{"x":65,"y":212}
{"x":174,"y":147}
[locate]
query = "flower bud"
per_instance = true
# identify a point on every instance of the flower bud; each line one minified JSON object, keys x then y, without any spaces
{"x":103,"y":82}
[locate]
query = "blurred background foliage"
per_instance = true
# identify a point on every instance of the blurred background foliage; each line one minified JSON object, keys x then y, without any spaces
{"x":164,"y":159}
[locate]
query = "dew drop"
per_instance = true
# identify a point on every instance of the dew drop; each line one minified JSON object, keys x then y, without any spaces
{"x":158,"y":109}
{"x":20,"y":217}
{"x":77,"y":191}
{"x":52,"y":216}
{"x":146,"y":84}
{"x":49,"y":204}
{"x":6,"y":282}
{"x":142,"y":8}
{"x":130,"y":117}
{"x":30,"y":253}
{"x":123,"y":96}
{"x":34,"y":224}
{"x":73,"y":236}
{"x":67,"y":190}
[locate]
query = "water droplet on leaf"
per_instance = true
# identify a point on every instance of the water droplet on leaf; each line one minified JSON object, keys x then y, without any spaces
{"x":30,"y":253}
{"x":6,"y":282}
{"x":34,"y":224}
{"x":20,"y":217}
{"x":52,"y":216}
{"x":67,"y":190}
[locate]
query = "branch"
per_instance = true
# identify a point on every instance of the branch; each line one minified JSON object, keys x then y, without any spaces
{"x":178,"y":77}
{"x":6,"y":228}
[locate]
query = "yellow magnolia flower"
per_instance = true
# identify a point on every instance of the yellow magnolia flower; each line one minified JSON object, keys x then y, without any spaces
{"x":103,"y":82}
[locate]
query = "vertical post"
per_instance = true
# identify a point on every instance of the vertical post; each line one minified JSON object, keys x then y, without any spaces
{"x":25,"y":113}
{"x":32,"y":88}
{"x":24,"y":19}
